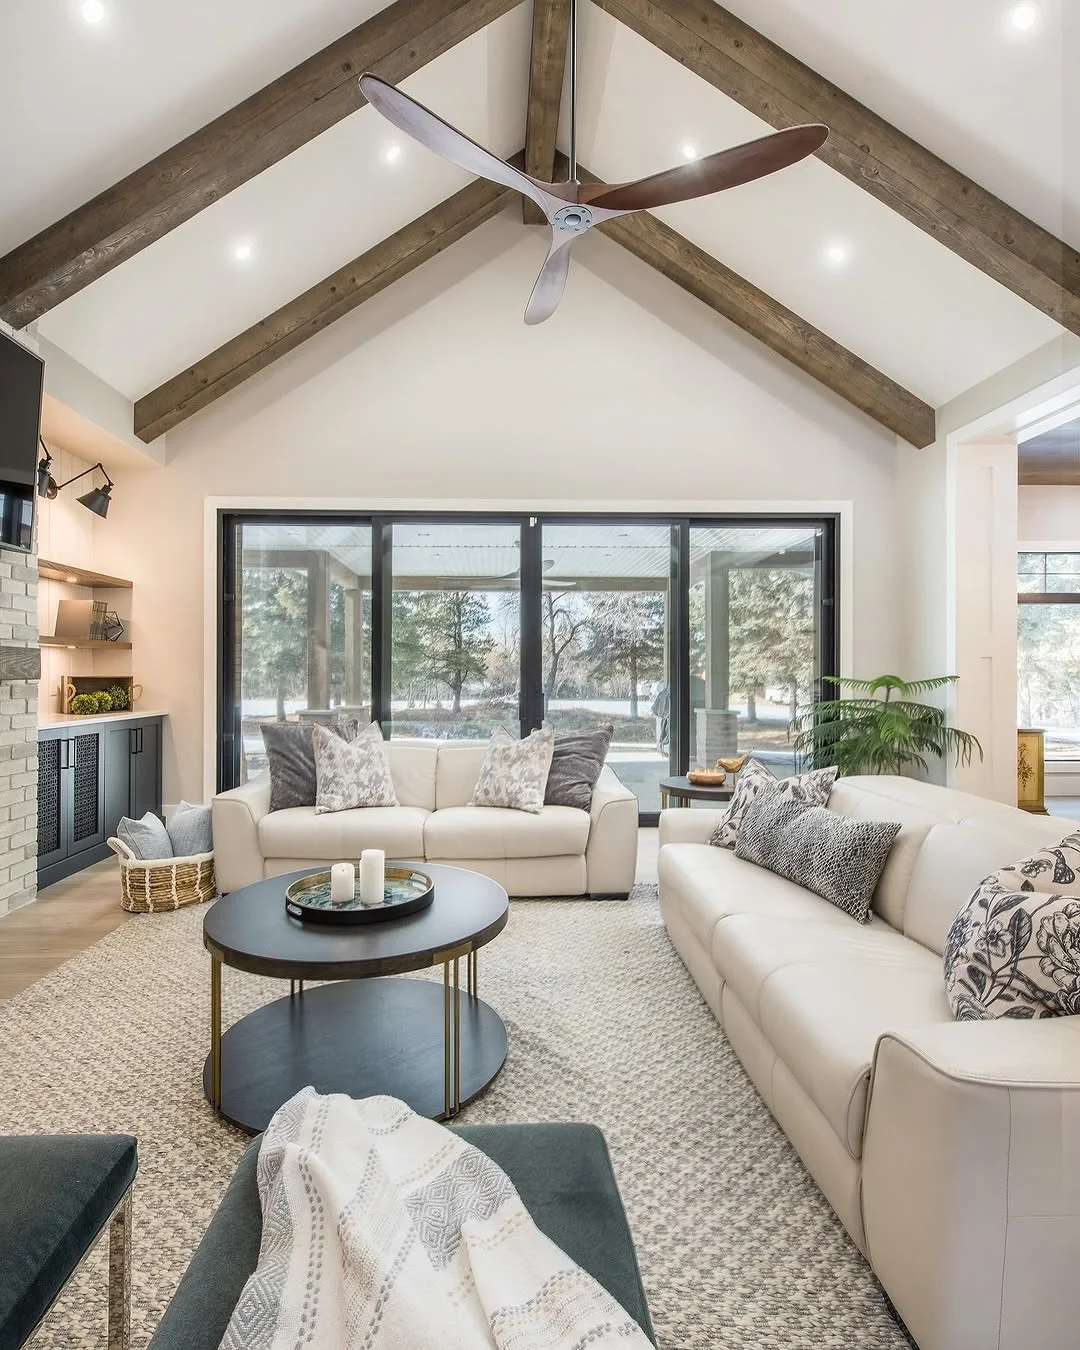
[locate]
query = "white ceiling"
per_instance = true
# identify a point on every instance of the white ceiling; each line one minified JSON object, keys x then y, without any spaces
{"x":948,"y":75}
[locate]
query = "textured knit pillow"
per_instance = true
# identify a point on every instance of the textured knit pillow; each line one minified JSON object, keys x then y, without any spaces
{"x":515,"y":773}
{"x":575,"y":767}
{"x":1014,"y":949}
{"x":147,"y":838}
{"x":837,"y":857}
{"x":190,"y":830}
{"x":292,"y":760}
{"x":351,"y":774}
{"x":810,"y":788}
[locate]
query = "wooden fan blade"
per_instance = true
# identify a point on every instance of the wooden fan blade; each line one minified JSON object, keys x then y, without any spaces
{"x":550,"y":284}
{"x":714,"y":173}
{"x":446,"y":141}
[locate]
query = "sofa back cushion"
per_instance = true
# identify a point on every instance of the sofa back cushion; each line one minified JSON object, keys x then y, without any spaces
{"x":412,"y":767}
{"x":954,"y":860}
{"x":909,"y":881}
{"x":457,"y":770}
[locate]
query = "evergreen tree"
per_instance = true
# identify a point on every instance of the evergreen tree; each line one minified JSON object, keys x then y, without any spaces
{"x":627,"y":635}
{"x":274,"y":635}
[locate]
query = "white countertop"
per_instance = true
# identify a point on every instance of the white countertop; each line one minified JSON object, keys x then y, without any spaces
{"x":54,"y":720}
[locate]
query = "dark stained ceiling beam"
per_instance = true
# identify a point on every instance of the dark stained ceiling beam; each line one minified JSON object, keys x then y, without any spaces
{"x":866,"y":149}
{"x":547,"y":65}
{"x":783,"y":331}
{"x":243,"y":356}
{"x":272,"y":123}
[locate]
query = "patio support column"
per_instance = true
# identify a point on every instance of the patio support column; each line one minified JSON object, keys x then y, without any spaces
{"x":318,"y":623}
{"x":354,"y":646}
{"x":717,"y":634}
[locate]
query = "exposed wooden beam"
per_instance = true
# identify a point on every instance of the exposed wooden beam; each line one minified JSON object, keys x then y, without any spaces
{"x":777,"y":327}
{"x":547,"y":64}
{"x":292,"y":324}
{"x":892,"y":167}
{"x":225,"y":153}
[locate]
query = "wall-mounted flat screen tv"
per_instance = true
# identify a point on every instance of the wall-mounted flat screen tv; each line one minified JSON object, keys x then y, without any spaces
{"x":22,"y":376}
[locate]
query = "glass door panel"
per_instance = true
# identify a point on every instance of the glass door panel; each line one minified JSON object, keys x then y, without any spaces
{"x":606,"y":642}
{"x":1048,"y":670}
{"x":303,"y":614}
{"x":755,"y":639}
{"x":455,"y":646}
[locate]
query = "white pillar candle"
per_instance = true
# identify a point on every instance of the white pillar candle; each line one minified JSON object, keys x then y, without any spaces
{"x":372,"y":876}
{"x":342,"y":883}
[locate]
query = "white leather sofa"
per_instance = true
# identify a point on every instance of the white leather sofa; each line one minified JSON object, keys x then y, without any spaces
{"x":950,"y":1150}
{"x":560,"y":851}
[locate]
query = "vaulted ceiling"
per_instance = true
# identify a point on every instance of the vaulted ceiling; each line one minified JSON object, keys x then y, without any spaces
{"x":992,"y":103}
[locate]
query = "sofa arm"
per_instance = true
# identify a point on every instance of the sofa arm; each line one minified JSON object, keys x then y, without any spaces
{"x":971,"y":1182}
{"x":611,"y":853}
{"x":238,"y":859}
{"x":688,"y":825}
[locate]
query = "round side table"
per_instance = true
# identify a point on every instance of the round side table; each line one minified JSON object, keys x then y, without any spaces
{"x":684,"y":792}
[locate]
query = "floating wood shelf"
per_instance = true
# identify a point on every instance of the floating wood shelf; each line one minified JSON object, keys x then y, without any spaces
{"x":85,"y":644}
{"x":81,"y":576}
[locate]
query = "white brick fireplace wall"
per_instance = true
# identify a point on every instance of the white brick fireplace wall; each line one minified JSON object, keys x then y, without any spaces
{"x":19,"y":671}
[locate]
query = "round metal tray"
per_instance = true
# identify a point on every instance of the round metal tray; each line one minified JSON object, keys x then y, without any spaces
{"x":406,"y":891}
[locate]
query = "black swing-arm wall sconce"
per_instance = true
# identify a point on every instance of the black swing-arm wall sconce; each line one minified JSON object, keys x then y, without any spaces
{"x":96,"y":500}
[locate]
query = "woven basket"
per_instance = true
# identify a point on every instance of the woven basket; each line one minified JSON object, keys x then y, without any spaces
{"x":148,"y":885}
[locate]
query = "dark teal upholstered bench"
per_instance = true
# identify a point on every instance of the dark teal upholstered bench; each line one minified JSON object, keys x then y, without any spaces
{"x":58,"y":1193}
{"x":562,"y":1173}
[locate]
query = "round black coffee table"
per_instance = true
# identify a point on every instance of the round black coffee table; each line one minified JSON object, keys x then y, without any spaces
{"x":434,"y":1045}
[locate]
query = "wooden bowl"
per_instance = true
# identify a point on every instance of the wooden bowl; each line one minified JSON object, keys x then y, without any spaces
{"x":707,"y":777}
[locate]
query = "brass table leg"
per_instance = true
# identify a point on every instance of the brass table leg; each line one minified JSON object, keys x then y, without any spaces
{"x":215,"y":1032}
{"x":120,"y":1276}
{"x":470,"y":972}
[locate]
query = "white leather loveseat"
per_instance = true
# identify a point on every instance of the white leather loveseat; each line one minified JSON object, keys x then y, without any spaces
{"x":950,"y":1150}
{"x":561,"y":851}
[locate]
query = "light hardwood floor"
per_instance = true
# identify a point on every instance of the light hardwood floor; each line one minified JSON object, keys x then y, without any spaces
{"x":72,"y":914}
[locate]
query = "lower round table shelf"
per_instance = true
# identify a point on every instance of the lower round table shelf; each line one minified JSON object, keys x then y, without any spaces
{"x":360,"y":1037}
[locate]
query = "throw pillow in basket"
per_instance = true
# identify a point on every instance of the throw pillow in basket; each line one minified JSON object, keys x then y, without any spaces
{"x":812,"y":789}
{"x":1014,"y":949}
{"x":147,"y":838}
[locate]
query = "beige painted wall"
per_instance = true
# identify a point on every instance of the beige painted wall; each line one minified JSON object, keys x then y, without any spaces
{"x":1049,"y":515}
{"x":435,"y":392}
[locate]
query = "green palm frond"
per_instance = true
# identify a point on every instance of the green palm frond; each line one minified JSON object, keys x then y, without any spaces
{"x":876,"y":732}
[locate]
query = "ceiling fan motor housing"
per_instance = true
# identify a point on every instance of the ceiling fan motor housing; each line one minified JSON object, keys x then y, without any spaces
{"x":572,"y":219}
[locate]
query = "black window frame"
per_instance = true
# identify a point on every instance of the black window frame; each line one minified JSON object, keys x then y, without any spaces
{"x":531,"y":523}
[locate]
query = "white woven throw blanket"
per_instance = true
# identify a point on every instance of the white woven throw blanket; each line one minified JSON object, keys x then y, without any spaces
{"x":382,"y":1229}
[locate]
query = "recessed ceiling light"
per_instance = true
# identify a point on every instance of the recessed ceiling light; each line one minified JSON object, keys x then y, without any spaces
{"x":392,"y":153}
{"x":93,"y":11}
{"x":689,"y":152}
{"x":837,"y":253}
{"x":1023,"y":18}
{"x":243,"y":251}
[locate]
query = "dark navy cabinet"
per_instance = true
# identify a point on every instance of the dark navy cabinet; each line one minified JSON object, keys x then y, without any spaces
{"x":89,"y":775}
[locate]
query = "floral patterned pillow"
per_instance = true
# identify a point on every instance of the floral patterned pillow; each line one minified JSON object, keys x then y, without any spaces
{"x":515,"y":773}
{"x":812,"y":789}
{"x":350,"y":774}
{"x":1014,"y":949}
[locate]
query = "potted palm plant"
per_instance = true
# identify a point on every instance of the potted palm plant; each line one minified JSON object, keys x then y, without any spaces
{"x":882,"y":729}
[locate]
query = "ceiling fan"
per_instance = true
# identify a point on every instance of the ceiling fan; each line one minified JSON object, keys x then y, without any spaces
{"x":571,"y":208}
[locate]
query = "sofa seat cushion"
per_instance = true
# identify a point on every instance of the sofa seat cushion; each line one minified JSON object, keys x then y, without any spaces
{"x":299,"y":833}
{"x":57,"y":1192}
{"x":822,"y":998}
{"x":707,"y":884}
{"x":497,"y":832}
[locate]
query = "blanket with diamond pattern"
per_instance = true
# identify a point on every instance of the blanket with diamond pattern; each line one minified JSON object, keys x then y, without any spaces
{"x":385,"y":1231}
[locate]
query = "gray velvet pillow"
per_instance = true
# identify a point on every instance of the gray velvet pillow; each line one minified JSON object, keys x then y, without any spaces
{"x":837,"y":857}
{"x":292,"y":760}
{"x":190,"y":830}
{"x":147,"y":838}
{"x":575,"y":766}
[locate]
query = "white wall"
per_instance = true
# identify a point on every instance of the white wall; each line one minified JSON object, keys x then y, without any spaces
{"x":435,"y":392}
{"x":1049,"y":515}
